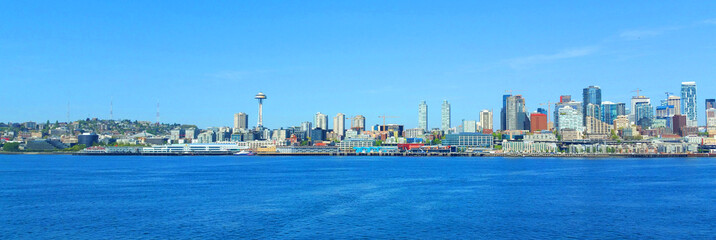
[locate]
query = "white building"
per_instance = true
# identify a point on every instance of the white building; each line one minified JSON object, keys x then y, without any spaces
{"x":485,"y":120}
{"x":321,"y":121}
{"x":339,"y":124}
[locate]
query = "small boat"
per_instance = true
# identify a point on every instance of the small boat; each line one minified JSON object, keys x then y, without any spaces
{"x":245,"y":153}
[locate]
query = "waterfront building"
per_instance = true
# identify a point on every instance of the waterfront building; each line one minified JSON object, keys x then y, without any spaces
{"x":688,"y":102}
{"x":307,"y":149}
{"x":472,"y":141}
{"x":241,"y":121}
{"x":569,"y":118}
{"x":321,"y":121}
{"x":469,"y":126}
{"x":358,"y":123}
{"x":591,"y":95}
{"x":194,"y":148}
{"x":423,"y":116}
{"x":545,"y":136}
{"x":644,"y":114}
{"x":538,"y":122}
{"x":349,"y":144}
{"x":445,"y":116}
{"x":339,"y":124}
{"x":528,"y":147}
{"x":516,"y":114}
{"x":486,"y":120}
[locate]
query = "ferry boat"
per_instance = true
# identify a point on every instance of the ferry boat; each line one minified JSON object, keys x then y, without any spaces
{"x":245,"y":153}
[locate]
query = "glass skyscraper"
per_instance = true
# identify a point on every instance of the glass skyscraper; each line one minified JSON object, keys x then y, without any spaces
{"x":423,"y":116}
{"x":688,"y":103}
{"x":611,"y":110}
{"x":445,"y":116}
{"x":590,"y":95}
{"x":644,"y":114}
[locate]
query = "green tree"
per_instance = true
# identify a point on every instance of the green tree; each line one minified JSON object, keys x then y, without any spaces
{"x":11,"y":147}
{"x":378,"y":143}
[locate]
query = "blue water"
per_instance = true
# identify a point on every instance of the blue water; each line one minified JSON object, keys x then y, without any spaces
{"x":120,"y":197}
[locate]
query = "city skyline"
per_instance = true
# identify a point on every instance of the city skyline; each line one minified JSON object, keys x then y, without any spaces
{"x":103,"y":66}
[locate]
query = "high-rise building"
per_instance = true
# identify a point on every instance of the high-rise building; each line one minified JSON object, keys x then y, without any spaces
{"x":611,"y":110}
{"x":574,"y":105}
{"x":592,"y":110}
{"x":621,"y":122}
{"x":503,"y":113}
{"x":339,"y":124}
{"x":241,"y":121}
{"x":569,"y":118}
{"x":644,"y":114}
{"x":595,"y":126}
{"x":423,"y":116}
{"x":565,"y":98}
{"x":711,"y":121}
{"x":306,"y":126}
{"x":358,"y":123}
{"x":679,"y":125}
{"x":590,"y":95}
{"x":469,"y":126}
{"x":445,"y":117}
{"x":486,"y":120}
{"x":634,"y":101}
{"x":676,"y":102}
{"x":542,"y":111}
{"x":538,"y":122}
{"x":516,"y":114}
{"x":688,"y":103}
{"x":321,"y":121}
{"x":710,"y":103}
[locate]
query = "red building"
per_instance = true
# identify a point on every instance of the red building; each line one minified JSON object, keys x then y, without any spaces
{"x":538,"y":122}
{"x":679,"y":123}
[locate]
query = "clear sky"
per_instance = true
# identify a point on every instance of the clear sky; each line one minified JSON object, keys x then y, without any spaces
{"x":204,"y":61}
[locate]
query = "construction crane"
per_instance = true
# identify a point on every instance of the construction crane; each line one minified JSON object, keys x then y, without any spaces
{"x":668,"y":94}
{"x":637,"y":92}
{"x":549,"y":104}
{"x":384,"y":117}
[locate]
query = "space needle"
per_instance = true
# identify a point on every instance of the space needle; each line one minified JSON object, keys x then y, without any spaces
{"x":260,"y":96}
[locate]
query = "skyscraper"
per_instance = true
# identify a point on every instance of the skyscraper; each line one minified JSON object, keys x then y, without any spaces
{"x":569,"y":118}
{"x":676,"y":102}
{"x":688,"y":103}
{"x":634,"y":101}
{"x":710,"y":103}
{"x":241,"y":121}
{"x":590,"y":95}
{"x":611,"y":110}
{"x":321,"y":121}
{"x":358,"y":123}
{"x":339,"y":124}
{"x":486,"y":119}
{"x":423,"y":116}
{"x":445,"y":117}
{"x":644,"y":114}
{"x":503,"y":112}
{"x":515,"y":114}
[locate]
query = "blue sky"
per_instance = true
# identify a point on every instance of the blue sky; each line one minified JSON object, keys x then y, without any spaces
{"x":205,"y":61}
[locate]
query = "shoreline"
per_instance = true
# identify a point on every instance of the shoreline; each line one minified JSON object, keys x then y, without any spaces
{"x":488,"y":155}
